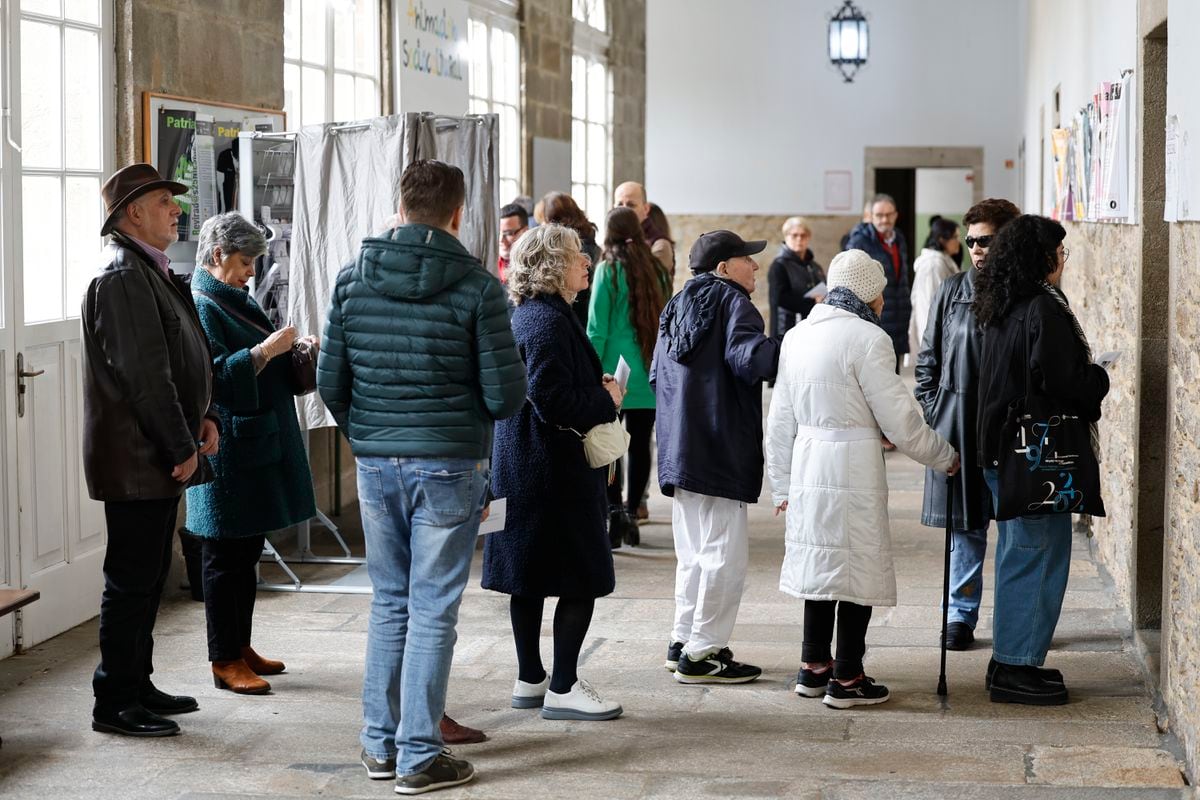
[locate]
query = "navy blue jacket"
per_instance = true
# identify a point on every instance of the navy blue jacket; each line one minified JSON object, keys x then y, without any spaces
{"x":554,"y":542}
{"x":897,"y":296}
{"x":709,"y":364}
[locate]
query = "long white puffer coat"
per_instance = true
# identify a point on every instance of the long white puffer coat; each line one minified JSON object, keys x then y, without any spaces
{"x":835,"y":392}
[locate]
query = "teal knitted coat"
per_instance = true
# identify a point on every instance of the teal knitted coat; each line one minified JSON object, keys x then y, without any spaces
{"x":418,"y":358}
{"x":262,"y":478}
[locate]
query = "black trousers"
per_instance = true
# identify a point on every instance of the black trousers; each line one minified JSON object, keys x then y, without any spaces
{"x":135,"y":569}
{"x":640,"y":424}
{"x":852,"y":621}
{"x":230,"y":586}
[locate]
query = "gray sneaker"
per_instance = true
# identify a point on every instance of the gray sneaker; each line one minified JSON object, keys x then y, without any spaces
{"x":442,"y":773}
{"x":379,"y":770}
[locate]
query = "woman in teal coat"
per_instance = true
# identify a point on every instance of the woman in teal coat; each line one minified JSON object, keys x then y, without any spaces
{"x":628,"y":294}
{"x":262,"y":478}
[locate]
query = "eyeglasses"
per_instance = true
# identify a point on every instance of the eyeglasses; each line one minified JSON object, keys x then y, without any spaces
{"x":512,"y":234}
{"x":983,"y":241}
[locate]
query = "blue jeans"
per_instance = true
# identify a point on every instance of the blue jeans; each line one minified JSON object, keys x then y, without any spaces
{"x":420,"y":519}
{"x":967,"y":551}
{"x":1033,"y":560}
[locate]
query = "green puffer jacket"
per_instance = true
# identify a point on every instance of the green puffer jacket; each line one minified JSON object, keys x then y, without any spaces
{"x":418,"y":358}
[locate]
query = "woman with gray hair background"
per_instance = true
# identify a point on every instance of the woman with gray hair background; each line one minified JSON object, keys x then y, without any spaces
{"x":554,"y":542}
{"x":262,"y":478}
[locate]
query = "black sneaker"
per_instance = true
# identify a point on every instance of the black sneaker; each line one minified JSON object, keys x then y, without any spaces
{"x":618,"y":524}
{"x":444,"y":771}
{"x":1048,"y":675}
{"x":674,"y":651}
{"x":863,"y":692}
{"x":810,"y":683}
{"x":718,"y":667}
{"x":1025,"y":685}
{"x":379,"y":770}
{"x":959,"y":636}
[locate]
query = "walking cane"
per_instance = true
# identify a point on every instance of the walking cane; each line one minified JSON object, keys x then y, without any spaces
{"x":941,"y":687}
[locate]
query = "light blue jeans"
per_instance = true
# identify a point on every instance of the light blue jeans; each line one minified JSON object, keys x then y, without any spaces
{"x":420,"y":518}
{"x":967,"y":551}
{"x":1033,"y":560}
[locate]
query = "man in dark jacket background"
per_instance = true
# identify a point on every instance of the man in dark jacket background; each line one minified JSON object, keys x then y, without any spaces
{"x":709,"y":363}
{"x":147,"y":383}
{"x":883,"y":241}
{"x":417,"y":363}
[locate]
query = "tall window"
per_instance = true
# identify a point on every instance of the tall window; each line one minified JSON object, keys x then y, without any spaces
{"x":591,"y":112}
{"x":495,"y":82}
{"x":331,"y":60}
{"x":65,"y":76}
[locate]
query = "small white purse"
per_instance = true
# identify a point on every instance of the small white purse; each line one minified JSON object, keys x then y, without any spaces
{"x":604,"y":443}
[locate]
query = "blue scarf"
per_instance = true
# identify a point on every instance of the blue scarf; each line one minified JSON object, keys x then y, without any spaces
{"x":843,"y":298}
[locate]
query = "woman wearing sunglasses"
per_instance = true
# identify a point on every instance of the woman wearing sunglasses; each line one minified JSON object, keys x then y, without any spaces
{"x":947,"y":375}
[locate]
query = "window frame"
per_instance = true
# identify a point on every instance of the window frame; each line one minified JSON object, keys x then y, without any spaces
{"x":501,"y":15}
{"x":329,"y":68}
{"x":592,"y":44}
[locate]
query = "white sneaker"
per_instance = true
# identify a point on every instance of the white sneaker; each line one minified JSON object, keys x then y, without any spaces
{"x":529,"y":695}
{"x":582,"y":702}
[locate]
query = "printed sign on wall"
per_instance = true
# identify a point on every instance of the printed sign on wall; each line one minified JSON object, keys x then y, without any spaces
{"x":431,"y":56}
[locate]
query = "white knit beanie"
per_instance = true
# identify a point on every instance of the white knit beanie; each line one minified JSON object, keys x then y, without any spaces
{"x":859,"y":273}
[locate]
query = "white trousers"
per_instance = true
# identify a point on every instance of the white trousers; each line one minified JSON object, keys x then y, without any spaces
{"x":712,"y":551}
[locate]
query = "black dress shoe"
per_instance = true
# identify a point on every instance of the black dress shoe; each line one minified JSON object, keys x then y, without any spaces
{"x":157,"y":701}
{"x":1022,"y":684}
{"x":959,"y":636}
{"x":1048,"y":675}
{"x":133,"y":721}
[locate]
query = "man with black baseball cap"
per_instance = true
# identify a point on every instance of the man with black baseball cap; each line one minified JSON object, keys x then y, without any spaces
{"x":710,"y":361}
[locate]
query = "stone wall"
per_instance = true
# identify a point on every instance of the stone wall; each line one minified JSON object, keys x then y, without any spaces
{"x":546,"y":45}
{"x":627,"y":59}
{"x":226,"y":50}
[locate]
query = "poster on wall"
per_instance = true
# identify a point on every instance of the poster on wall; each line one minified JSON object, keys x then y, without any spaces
{"x":175,"y":159}
{"x":431,"y":56}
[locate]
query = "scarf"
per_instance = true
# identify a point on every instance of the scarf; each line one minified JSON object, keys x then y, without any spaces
{"x":1061,"y":299}
{"x":841,"y":297}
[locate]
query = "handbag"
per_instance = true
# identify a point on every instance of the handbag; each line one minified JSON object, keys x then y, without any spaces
{"x":603,"y":444}
{"x":303,"y":357}
{"x":1046,"y":464}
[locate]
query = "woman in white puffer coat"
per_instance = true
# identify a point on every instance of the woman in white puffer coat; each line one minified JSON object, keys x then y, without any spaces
{"x":835,"y":393}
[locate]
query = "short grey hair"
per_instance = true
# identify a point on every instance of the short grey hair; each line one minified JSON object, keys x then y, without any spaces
{"x":231,"y":232}
{"x":884,"y":198}
{"x":793,"y":223}
{"x":538,"y":261}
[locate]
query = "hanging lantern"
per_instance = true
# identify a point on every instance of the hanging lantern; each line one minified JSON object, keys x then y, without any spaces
{"x":848,"y":40}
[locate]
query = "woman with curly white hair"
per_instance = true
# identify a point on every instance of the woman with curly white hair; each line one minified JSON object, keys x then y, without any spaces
{"x":554,"y":542}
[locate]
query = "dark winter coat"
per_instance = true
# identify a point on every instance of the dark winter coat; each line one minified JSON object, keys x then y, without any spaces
{"x":897,"y":306}
{"x":1033,"y":349}
{"x":788,"y":280}
{"x":709,"y":364}
{"x":147,"y":379}
{"x":947,"y":373}
{"x":262,"y":482}
{"x":554,"y":542}
{"x":418,"y":358}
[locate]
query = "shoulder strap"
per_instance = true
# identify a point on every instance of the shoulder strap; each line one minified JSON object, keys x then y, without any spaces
{"x":235,"y":313}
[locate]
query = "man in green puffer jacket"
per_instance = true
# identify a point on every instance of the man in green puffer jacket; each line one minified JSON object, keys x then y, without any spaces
{"x":417,"y":363}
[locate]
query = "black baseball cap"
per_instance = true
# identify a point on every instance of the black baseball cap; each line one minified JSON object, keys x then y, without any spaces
{"x":716,"y":246}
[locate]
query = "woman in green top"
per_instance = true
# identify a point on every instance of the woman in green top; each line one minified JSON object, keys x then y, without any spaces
{"x":628,"y":294}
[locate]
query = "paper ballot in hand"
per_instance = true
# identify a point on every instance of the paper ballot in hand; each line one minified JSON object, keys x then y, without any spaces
{"x":621,"y":373}
{"x":1106,"y":360}
{"x":820,"y":290}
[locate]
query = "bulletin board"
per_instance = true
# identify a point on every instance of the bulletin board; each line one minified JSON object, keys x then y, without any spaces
{"x":1183,"y":116}
{"x":194,"y":141}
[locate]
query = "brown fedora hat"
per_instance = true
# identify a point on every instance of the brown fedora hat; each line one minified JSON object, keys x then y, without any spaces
{"x":128,"y":184}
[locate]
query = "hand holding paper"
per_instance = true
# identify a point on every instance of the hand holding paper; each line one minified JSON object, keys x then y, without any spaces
{"x":621,"y":373}
{"x":1106,"y":360}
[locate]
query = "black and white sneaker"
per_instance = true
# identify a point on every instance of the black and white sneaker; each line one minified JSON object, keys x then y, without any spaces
{"x":811,"y":683}
{"x":379,"y":770}
{"x":718,"y":667}
{"x":863,"y":692}
{"x":443,"y":772}
{"x":674,"y":652}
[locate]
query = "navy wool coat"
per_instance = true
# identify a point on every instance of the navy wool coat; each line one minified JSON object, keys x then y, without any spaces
{"x":554,"y":543}
{"x":262,"y":478}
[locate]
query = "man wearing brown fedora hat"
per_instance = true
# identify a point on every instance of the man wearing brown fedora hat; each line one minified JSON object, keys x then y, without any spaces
{"x":147,"y":383}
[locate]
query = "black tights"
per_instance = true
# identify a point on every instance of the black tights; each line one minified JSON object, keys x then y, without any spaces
{"x":640,"y":424}
{"x":572,"y":616}
{"x":852,"y":621}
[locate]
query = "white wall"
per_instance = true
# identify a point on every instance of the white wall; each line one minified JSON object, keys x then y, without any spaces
{"x":1075,"y":44}
{"x":942,"y":191}
{"x":744,"y":113}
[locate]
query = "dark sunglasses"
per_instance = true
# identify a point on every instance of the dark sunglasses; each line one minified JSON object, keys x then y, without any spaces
{"x":983,"y":241}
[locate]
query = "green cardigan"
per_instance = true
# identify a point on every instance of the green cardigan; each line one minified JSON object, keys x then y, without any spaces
{"x":610,"y":330}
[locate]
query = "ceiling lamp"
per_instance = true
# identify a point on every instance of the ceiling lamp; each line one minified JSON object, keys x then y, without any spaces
{"x":848,"y":40}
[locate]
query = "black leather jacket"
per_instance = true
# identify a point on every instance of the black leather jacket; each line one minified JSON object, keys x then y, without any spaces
{"x":147,"y":379}
{"x":947,"y":374}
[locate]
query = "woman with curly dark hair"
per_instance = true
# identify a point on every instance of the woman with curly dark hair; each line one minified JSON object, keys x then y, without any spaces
{"x":559,"y":208}
{"x":1032,"y":346}
{"x":628,"y":296}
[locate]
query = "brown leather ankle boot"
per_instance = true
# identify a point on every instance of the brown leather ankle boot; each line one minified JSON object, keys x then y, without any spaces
{"x":260,"y":665}
{"x":238,"y":678}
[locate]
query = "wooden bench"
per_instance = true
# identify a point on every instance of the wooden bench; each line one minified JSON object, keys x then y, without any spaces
{"x":13,"y":599}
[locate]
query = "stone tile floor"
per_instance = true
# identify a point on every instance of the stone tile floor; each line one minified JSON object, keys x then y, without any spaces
{"x":752,"y":741}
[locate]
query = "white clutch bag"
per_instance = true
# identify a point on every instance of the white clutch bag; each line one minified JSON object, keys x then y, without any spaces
{"x":603,"y":444}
